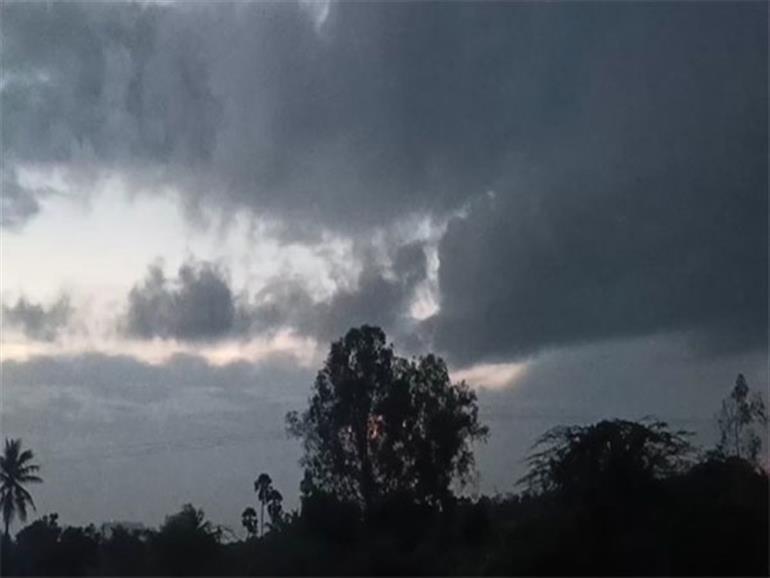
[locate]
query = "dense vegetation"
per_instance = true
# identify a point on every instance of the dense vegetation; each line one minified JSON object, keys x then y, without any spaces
{"x":384,"y":440}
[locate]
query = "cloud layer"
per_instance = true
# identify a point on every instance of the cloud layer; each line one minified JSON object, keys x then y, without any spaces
{"x":626,"y":146}
{"x":647,"y":215}
{"x":198,"y":305}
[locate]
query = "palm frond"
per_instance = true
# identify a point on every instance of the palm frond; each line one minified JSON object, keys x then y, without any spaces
{"x":30,"y":479}
{"x":25,"y":456}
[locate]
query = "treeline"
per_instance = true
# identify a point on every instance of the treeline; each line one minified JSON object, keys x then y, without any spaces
{"x":710,"y":520}
{"x":387,"y":440}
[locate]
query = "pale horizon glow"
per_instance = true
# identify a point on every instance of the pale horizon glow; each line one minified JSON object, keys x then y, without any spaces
{"x":491,"y":375}
{"x":285,"y":344}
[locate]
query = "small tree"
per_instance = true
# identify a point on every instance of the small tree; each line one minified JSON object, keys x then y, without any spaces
{"x":275,"y":509}
{"x":742,"y":414}
{"x":249,"y":521}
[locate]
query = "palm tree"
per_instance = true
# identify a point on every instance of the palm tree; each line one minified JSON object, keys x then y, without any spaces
{"x":16,"y":470}
{"x":263,"y":487}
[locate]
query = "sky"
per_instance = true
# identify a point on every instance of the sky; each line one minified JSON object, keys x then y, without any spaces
{"x":566,"y":201}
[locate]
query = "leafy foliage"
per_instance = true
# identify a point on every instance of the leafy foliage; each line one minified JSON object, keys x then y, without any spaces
{"x":378,"y":424}
{"x":610,"y":454}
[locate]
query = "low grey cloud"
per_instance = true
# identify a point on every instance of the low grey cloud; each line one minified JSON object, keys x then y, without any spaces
{"x":200,"y":304}
{"x":128,"y":379}
{"x":17,"y":204}
{"x":197,"y":305}
{"x":37,"y":321}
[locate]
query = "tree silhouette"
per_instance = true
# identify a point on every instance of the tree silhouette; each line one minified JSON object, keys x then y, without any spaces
{"x":16,"y":469}
{"x":379,"y":424}
{"x":275,"y":508}
{"x":263,"y":485}
{"x":249,"y":520}
{"x":187,"y":543}
{"x":741,"y":414}
{"x":37,"y":546}
{"x":615,"y":454}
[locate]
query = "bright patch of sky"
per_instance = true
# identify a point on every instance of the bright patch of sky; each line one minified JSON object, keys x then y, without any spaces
{"x":94,"y":246}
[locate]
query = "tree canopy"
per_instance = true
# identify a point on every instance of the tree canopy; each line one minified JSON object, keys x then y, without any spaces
{"x":379,"y":424}
{"x":609,"y":454}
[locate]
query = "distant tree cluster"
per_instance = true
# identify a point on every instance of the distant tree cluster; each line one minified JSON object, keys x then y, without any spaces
{"x":384,"y":440}
{"x":268,"y":496}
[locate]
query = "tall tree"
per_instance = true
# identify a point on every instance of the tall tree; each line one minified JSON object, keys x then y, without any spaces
{"x":263,"y":486}
{"x":742,"y":414}
{"x":378,"y":424}
{"x":16,"y":469}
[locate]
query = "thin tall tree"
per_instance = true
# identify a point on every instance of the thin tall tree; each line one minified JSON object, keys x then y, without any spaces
{"x":742,"y":414}
{"x":16,"y":469}
{"x":263,"y":486}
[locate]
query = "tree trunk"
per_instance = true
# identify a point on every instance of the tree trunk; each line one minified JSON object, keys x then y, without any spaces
{"x":362,"y":442}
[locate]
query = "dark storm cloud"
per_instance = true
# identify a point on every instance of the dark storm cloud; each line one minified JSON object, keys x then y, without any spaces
{"x":381,"y":296}
{"x":37,"y":321}
{"x":100,"y":82}
{"x":197,"y":305}
{"x":389,"y":109}
{"x":648,"y":215}
{"x":626,"y":145}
